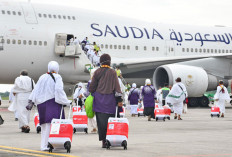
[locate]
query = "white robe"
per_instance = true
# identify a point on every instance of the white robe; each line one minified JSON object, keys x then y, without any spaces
{"x":176,"y":97}
{"x":79,"y":91}
{"x":159,"y":97}
{"x":46,"y":89}
{"x":222,"y":98}
{"x":95,"y":59}
{"x":12,"y":106}
{"x":22,"y":88}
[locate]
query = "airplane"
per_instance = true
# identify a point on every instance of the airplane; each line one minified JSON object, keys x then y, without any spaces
{"x":33,"y":34}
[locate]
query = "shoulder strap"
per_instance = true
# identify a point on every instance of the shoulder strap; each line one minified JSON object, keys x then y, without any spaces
{"x":132,"y":91}
{"x":52,"y":76}
{"x":181,"y":88}
{"x":32,"y":84}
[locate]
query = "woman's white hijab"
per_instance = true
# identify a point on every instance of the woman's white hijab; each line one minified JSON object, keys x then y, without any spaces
{"x":147,"y":82}
{"x":133,"y":85}
{"x":53,"y":66}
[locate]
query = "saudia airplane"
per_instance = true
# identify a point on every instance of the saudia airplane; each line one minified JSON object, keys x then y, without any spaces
{"x":33,"y":34}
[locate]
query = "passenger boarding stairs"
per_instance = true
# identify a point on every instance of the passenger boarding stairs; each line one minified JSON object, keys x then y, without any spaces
{"x":65,"y":49}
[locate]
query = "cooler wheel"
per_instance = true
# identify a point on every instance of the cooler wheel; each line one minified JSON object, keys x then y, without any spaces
{"x":163,"y":119}
{"x":67,"y":146}
{"x":74,"y":130}
{"x":156,"y":119}
{"x":168,"y":118}
{"x":86,"y":130}
{"x":38,"y":129}
{"x":138,"y":114}
{"x":50,"y":147}
{"x":124,"y":144}
{"x":212,"y":115}
{"x":107,"y":144}
{"x":218,"y":115}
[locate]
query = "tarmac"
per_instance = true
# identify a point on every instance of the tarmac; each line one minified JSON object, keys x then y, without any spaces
{"x":197,"y":135}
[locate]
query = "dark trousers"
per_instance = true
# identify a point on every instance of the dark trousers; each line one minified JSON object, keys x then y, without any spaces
{"x":102,"y":122}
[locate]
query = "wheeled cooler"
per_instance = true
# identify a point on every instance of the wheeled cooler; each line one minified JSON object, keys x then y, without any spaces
{"x":140,"y":111}
{"x":117,"y":132}
{"x":167,"y":112}
{"x":80,"y":122}
{"x":215,"y":111}
{"x":60,"y":134}
{"x":37,"y":124}
{"x":159,"y":114}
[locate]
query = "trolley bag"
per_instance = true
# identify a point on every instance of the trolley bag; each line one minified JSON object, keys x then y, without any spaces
{"x":117,"y":132}
{"x":159,"y":114}
{"x":80,"y":122}
{"x":123,"y":113}
{"x":167,"y":111}
{"x":61,"y":133}
{"x":140,"y":111}
{"x":215,"y":111}
{"x":37,"y":124}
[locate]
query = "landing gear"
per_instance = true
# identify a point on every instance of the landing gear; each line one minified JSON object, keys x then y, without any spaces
{"x":199,"y":102}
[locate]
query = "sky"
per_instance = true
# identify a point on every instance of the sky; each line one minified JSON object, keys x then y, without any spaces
{"x":188,"y":12}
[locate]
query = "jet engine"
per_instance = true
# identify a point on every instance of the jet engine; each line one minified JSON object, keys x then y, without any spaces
{"x":196,"y":80}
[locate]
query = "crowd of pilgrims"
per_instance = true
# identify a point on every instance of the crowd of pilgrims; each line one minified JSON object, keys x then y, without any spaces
{"x":105,"y":85}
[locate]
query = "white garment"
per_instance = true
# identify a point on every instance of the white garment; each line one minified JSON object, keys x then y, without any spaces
{"x":92,"y":122}
{"x":221,"y":105}
{"x":133,"y":109}
{"x":222,"y":97}
{"x":90,"y":54}
{"x":177,"y":94}
{"x":185,"y":108}
{"x":12,"y":106}
{"x":22,"y":88}
{"x":122,"y":87}
{"x":45,"y":130}
{"x":79,"y":91}
{"x":178,"y":108}
{"x":0,"y":98}
{"x":159,"y":97}
{"x":76,"y":42}
{"x":95,"y":59}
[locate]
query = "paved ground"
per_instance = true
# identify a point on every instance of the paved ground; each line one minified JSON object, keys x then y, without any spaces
{"x":197,"y":135}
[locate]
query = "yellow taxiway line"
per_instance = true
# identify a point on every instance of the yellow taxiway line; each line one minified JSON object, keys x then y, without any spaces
{"x":29,"y":152}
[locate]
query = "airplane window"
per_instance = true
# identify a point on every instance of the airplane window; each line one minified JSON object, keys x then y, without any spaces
{"x":13,"y":41}
{"x":119,"y":46}
{"x":8,"y":41}
{"x":136,"y":47}
{"x":124,"y":47}
{"x":59,"y":16}
{"x":40,"y":43}
{"x":153,"y":48}
{"x":106,"y":46}
{"x":191,"y":49}
{"x":2,"y":41}
{"x":196,"y":50}
{"x":223,"y":51}
{"x":187,"y":49}
{"x":172,"y":49}
{"x":69,"y":17}
{"x":230,"y":51}
{"x":215,"y":50}
{"x":40,"y":15}
{"x":29,"y":42}
{"x":64,"y":17}
{"x":54,"y":16}
{"x":211,"y":50}
{"x":128,"y":47}
{"x":157,"y":48}
{"x":208,"y":50}
{"x":102,"y":46}
{"x":45,"y":15}
{"x":115,"y":46}
{"x":45,"y":43}
{"x":200,"y":50}
{"x":183,"y":49}
{"x":24,"y":42}
{"x":73,"y":18}
{"x":35,"y":42}
{"x":19,"y":42}
{"x":49,"y":15}
{"x":145,"y":48}
{"x":204,"y":50}
{"x":19,"y":13}
{"x":14,"y":13}
{"x":111,"y":46}
{"x":3,"y":11}
{"x":8,"y":12}
{"x":227,"y":51}
{"x":219,"y":51}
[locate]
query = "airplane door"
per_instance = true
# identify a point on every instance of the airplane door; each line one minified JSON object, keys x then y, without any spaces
{"x":170,"y":48}
{"x":29,"y":13}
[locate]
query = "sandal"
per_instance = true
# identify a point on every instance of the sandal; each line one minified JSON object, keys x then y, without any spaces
{"x":27,"y":129}
{"x":175,"y":117}
{"x":180,"y":119}
{"x":23,"y":128}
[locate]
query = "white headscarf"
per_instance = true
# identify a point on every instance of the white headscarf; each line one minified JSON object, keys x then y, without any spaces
{"x":133,"y":85}
{"x":53,"y":66}
{"x":148,"y":82}
{"x":80,"y":84}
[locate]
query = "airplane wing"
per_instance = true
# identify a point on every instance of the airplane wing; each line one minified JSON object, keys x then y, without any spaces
{"x":155,"y":62}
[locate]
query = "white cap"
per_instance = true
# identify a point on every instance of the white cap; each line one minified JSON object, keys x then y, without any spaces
{"x":148,"y":82}
{"x":53,"y":66}
{"x":133,"y":85}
